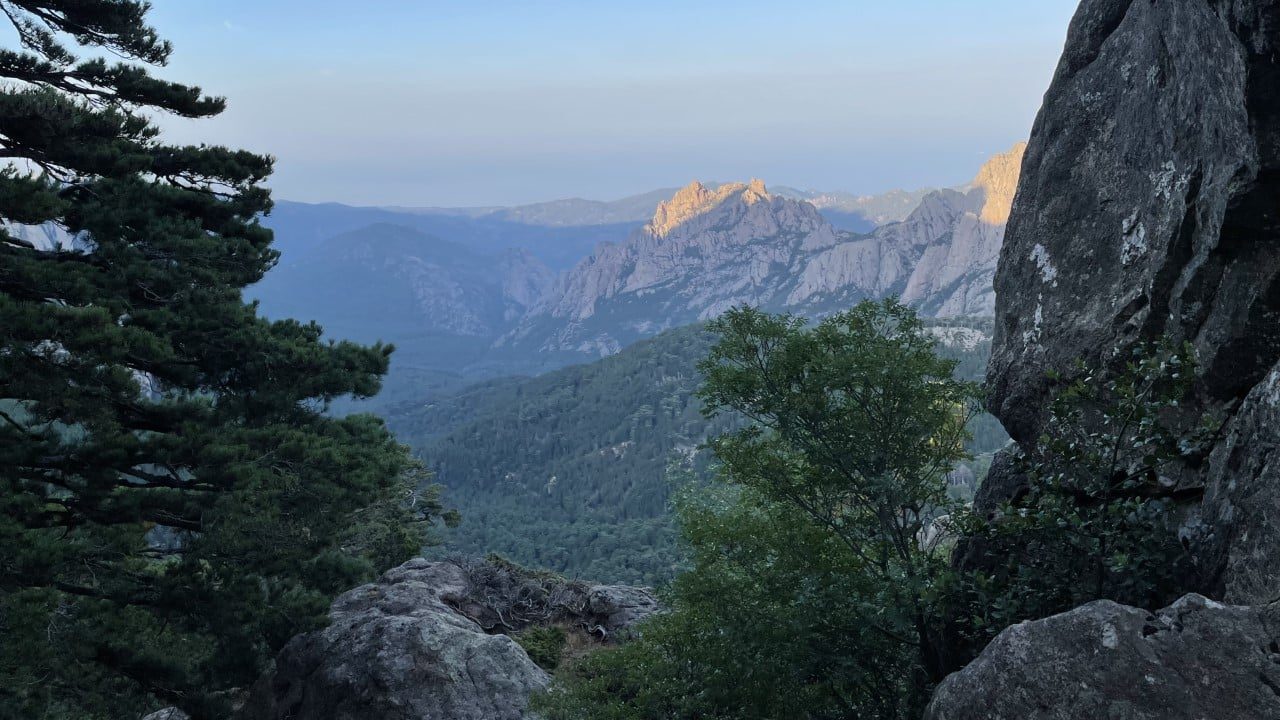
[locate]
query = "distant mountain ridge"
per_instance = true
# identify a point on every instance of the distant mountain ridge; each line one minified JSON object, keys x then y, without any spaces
{"x":440,"y":303}
{"x":564,"y":212}
{"x":704,"y":251}
{"x":433,"y":284}
{"x":847,"y":211}
{"x":300,"y":228}
{"x":467,"y":294}
{"x":859,"y":213}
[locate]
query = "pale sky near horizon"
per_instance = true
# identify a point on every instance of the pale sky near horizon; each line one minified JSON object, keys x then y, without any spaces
{"x":498,"y":102}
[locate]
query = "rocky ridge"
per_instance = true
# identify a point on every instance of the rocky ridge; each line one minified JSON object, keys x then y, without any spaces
{"x":707,"y":250}
{"x":860,"y":212}
{"x":942,"y":258}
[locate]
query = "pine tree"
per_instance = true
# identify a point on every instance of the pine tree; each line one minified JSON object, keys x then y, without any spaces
{"x":174,"y":503}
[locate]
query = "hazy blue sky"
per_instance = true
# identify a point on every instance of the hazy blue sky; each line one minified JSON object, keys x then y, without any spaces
{"x":476,"y":102}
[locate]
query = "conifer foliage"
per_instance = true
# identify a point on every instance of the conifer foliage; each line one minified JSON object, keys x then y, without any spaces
{"x":174,"y":505}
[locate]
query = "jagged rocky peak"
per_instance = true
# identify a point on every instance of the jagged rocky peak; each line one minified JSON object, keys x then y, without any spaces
{"x":695,"y":199}
{"x":704,"y":251}
{"x":707,"y":250}
{"x":998,"y":180}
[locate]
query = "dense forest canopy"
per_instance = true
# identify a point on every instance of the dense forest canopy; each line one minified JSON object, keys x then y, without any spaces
{"x":575,"y":470}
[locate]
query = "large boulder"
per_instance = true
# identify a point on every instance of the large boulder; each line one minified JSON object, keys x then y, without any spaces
{"x":1194,"y":660}
{"x":1149,"y":207}
{"x":615,"y":608}
{"x":397,"y":649}
{"x":424,"y":642}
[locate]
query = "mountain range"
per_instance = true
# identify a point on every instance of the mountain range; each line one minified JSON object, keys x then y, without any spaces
{"x":550,"y":386}
{"x":473,"y":293}
{"x":706,"y":250}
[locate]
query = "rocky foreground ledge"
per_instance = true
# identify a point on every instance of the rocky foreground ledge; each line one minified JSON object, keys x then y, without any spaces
{"x":427,"y":640}
{"x":1193,"y":660}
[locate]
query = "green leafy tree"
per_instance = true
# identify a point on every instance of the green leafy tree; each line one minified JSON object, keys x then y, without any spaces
{"x":1101,"y":485}
{"x":855,"y":422}
{"x":174,"y":505}
{"x":758,"y":629}
{"x":813,"y":587}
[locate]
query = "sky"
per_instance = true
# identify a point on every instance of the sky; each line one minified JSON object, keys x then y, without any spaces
{"x":491,"y":102}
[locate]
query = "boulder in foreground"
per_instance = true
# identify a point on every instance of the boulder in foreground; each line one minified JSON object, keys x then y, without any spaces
{"x":1194,"y":660}
{"x":423,"y":642}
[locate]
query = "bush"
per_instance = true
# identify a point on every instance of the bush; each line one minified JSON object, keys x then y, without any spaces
{"x":1095,"y":520}
{"x":811,"y":593}
{"x":544,"y":645}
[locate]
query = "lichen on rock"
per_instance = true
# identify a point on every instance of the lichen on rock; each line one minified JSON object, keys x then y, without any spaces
{"x":425,"y":642}
{"x":1193,"y":660}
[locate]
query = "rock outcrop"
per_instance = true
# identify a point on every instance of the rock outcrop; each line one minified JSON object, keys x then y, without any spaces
{"x":1194,"y":660}
{"x":703,"y":252}
{"x":707,"y":250}
{"x":423,"y":642}
{"x":1149,"y":207}
{"x":618,"y":607}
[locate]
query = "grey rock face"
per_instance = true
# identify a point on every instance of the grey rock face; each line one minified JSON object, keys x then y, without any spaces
{"x":618,"y":607}
{"x":410,"y":647}
{"x":1236,"y":530}
{"x":1194,"y":660}
{"x":168,"y":714}
{"x":1149,"y":206}
{"x":397,"y":649}
{"x":706,"y":251}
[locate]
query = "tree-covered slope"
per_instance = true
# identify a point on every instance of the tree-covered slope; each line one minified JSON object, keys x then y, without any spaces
{"x":568,"y":470}
{"x":573,"y":470}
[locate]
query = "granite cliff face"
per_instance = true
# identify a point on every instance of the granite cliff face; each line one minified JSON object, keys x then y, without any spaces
{"x":942,"y":258}
{"x":703,"y":252}
{"x":1149,"y":208}
{"x":706,"y":250}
